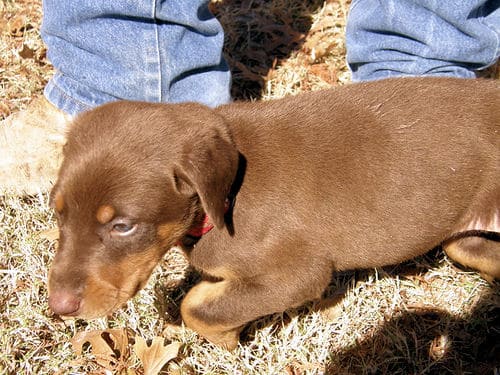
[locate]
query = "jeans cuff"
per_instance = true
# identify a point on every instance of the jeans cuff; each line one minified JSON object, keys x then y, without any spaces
{"x":58,"y":97}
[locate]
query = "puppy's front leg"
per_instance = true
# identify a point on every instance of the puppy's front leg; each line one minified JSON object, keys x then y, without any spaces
{"x":220,"y":310}
{"x":202,"y":311}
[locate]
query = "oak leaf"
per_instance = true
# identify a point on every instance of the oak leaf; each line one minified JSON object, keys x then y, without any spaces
{"x":51,"y":234}
{"x":109,"y":347}
{"x":155,"y":356}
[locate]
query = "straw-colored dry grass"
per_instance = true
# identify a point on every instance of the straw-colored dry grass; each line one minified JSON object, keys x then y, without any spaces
{"x":424,"y":317}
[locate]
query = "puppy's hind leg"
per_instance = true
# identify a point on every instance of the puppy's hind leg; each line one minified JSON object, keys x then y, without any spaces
{"x":476,"y":239}
{"x":480,"y":253}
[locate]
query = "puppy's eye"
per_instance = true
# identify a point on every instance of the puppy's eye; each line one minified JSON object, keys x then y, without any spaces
{"x":123,"y":228}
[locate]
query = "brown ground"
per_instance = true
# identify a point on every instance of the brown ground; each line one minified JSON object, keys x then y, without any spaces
{"x":424,"y":317}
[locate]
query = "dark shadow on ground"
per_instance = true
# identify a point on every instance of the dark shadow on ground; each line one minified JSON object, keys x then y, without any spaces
{"x":427,"y":341}
{"x":419,"y":341}
{"x":259,"y":34}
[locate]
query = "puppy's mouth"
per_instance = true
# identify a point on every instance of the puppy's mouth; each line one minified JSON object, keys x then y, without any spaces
{"x":106,"y":301}
{"x":99,"y":296}
{"x":104,"y":288}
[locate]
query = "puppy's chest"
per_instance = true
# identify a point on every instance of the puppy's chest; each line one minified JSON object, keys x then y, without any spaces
{"x":210,"y":255}
{"x":232,"y":249}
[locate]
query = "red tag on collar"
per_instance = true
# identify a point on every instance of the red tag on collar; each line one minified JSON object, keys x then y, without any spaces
{"x":205,"y":227}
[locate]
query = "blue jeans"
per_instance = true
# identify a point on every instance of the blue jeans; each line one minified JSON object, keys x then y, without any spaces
{"x":171,"y":51}
{"x":156,"y":51}
{"x":388,"y":38}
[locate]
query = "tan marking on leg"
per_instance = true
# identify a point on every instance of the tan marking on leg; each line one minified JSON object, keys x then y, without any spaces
{"x":198,"y":297}
{"x":105,"y":213}
{"x":59,"y":202}
{"x":478,"y":253}
{"x":204,"y":292}
{"x":222,"y":273}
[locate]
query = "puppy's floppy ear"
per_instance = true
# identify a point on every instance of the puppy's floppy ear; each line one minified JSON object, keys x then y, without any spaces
{"x":208,"y":167}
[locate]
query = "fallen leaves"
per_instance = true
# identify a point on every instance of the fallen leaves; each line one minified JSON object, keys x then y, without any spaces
{"x":4,"y":109}
{"x":113,"y":351}
{"x":109,"y":347}
{"x":155,"y":356}
{"x":24,"y":68}
{"x":51,"y":234}
{"x":18,"y":25}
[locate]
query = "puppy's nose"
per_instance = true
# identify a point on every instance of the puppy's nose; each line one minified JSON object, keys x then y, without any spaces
{"x":64,"y":303}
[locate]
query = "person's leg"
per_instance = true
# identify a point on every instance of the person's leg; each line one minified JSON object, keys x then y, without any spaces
{"x":146,"y":50}
{"x":160,"y":51}
{"x":387,"y":38}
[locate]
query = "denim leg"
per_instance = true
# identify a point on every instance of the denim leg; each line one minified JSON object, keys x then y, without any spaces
{"x":156,"y":51}
{"x":388,"y":38}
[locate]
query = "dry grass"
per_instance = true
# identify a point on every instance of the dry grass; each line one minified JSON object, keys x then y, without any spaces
{"x":424,"y":317}
{"x":24,"y":68}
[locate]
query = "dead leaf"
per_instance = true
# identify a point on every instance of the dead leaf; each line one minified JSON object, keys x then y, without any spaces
{"x":155,"y":356}
{"x":4,"y":110}
{"x":26,"y":52}
{"x":51,"y":234}
{"x":3,"y":25}
{"x":18,"y":25}
{"x":324,"y":72}
{"x":109,"y":347}
{"x":439,"y":347}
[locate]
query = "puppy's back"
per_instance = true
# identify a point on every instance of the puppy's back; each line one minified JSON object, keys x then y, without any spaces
{"x":371,"y":167}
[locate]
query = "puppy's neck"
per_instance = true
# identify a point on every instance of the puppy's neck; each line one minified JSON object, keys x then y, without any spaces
{"x":202,"y":225}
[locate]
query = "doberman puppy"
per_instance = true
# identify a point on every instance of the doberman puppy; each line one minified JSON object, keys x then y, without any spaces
{"x":267,"y":199}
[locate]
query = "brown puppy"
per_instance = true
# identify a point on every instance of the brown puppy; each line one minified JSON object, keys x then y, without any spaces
{"x":360,"y":176}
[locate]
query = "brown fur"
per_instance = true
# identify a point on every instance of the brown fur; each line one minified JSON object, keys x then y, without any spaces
{"x":355,"y":177}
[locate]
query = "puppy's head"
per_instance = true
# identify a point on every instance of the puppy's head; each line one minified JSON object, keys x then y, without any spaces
{"x":135,"y":178}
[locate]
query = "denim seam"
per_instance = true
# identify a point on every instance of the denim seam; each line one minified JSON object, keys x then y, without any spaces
{"x":496,"y":52}
{"x":68,"y":101}
{"x":353,"y":4}
{"x":158,"y":76}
